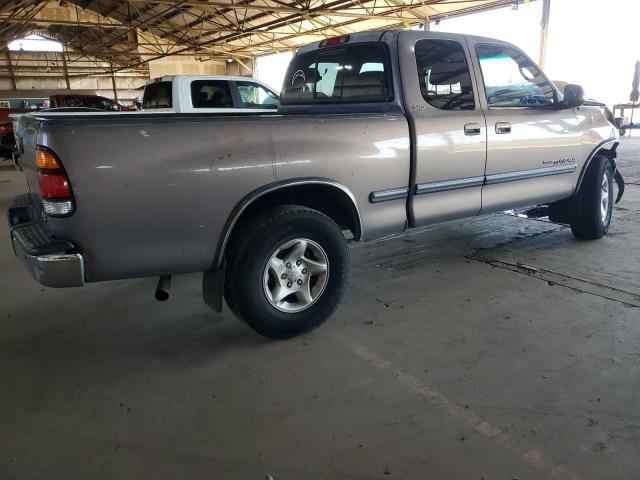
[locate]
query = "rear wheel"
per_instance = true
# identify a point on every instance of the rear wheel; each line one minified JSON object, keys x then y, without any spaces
{"x":287,"y":270}
{"x":595,"y":208}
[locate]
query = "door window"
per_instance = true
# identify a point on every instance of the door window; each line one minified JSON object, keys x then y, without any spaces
{"x":511,"y":79}
{"x":211,"y":94}
{"x":444,"y":76}
{"x":256,"y":96}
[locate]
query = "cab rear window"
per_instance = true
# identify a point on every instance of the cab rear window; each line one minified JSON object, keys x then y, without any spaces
{"x":157,"y":95}
{"x":356,"y":73}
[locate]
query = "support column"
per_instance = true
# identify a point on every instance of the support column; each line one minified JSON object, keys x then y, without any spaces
{"x":426,"y":26}
{"x":64,"y":66}
{"x":12,"y":74}
{"x":113,"y":84}
{"x":544,"y":30}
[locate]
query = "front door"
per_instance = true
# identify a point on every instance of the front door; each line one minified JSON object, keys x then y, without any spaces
{"x":531,"y":143}
{"x":449,"y":127}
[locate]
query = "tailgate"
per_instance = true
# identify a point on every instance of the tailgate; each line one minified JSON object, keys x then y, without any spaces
{"x":26,"y":135}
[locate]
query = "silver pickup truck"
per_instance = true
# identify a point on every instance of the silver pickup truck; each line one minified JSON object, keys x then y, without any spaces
{"x":376,"y":133}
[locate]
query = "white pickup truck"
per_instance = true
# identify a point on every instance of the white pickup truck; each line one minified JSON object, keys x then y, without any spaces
{"x":207,"y":94}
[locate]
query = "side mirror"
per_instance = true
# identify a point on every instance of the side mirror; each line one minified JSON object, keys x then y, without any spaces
{"x":573,"y":96}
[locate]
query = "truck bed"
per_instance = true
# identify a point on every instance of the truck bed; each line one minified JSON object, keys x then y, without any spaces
{"x":154,"y":191}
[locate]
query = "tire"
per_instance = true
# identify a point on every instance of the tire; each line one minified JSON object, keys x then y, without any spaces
{"x":595,"y":208}
{"x":258,"y":274}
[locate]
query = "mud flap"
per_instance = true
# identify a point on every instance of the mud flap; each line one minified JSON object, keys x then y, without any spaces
{"x":213,"y":286}
{"x":617,"y":176}
{"x":620,"y":182}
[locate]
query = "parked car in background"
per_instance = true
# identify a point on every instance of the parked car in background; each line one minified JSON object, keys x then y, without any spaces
{"x":15,"y":123}
{"x":7,"y":141}
{"x":376,"y":132}
{"x":191,"y":94}
{"x":97,"y":102}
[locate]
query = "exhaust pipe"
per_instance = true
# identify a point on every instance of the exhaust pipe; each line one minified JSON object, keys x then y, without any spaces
{"x":163,"y":288}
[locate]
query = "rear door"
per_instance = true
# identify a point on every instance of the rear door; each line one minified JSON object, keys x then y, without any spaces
{"x":449,"y":127}
{"x":532,"y":144}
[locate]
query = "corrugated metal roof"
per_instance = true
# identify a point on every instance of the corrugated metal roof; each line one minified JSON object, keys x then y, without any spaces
{"x":129,"y":33}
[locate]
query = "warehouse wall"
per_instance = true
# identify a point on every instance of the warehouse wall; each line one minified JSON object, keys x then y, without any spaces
{"x":151,"y":46}
{"x":126,"y":86}
{"x":184,"y":65}
{"x":47,"y":70}
{"x":236,"y":69}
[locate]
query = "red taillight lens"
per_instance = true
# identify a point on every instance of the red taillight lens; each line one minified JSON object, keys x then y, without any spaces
{"x":6,"y":130}
{"x":53,"y":185}
{"x":55,"y":190}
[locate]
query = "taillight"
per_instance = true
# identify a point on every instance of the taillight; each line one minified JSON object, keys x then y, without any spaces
{"x":55,"y":190}
{"x":6,"y":130}
{"x":53,"y":185}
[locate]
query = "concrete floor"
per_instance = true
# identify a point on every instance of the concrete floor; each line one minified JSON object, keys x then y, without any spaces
{"x":449,"y":360}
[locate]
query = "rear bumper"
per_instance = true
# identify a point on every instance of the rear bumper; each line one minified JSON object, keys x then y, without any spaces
{"x":53,"y":270}
{"x":51,"y":261}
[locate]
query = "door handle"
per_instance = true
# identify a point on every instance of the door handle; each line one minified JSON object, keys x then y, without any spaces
{"x":472,"y":129}
{"x":503,"y":127}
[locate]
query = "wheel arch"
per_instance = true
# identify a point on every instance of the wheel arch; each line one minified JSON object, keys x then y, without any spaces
{"x":325,"y":195}
{"x":608,"y":148}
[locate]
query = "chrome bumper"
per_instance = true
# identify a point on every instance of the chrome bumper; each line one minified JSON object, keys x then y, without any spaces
{"x":52,"y":270}
{"x":53,"y":262}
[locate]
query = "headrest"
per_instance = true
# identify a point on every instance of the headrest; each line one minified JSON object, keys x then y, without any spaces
{"x":449,"y":74}
{"x":364,"y":79}
{"x":200,"y":99}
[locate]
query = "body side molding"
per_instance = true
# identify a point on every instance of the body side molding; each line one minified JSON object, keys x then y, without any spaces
{"x":388,"y":195}
{"x":459,"y":183}
{"x":528,"y":174}
{"x":433,"y":187}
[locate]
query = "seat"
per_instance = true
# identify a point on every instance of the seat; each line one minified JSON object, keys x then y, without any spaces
{"x":217,"y":100}
{"x":366,"y":86}
{"x":200,"y":100}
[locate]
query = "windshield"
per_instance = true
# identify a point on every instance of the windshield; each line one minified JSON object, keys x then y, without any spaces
{"x":99,"y":103}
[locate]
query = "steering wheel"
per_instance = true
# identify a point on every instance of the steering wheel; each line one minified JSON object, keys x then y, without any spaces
{"x":533,"y":100}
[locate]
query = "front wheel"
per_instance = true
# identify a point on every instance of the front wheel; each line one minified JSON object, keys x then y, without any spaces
{"x":287,"y":270}
{"x":596,"y":206}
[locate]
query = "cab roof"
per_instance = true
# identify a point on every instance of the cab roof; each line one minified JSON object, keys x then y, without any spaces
{"x":169,"y":78}
{"x":390,"y":36}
